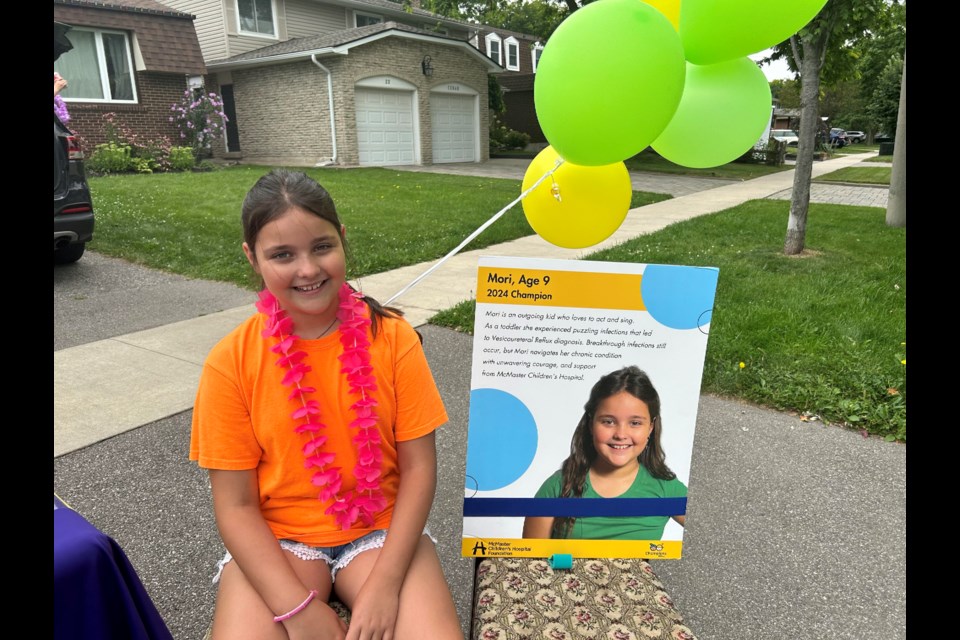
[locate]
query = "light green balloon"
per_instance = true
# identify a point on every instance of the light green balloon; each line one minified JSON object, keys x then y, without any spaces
{"x":724,"y":110}
{"x":717,"y":30}
{"x":608,"y":81}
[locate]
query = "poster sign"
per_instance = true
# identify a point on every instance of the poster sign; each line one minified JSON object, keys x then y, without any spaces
{"x":585,"y":385}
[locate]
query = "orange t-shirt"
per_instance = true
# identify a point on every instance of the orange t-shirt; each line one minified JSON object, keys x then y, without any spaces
{"x":241,"y":420}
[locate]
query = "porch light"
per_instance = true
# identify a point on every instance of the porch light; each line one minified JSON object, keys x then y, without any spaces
{"x":427,"y":66}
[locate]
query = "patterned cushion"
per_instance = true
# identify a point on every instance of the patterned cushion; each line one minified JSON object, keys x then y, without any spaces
{"x":597,"y":599}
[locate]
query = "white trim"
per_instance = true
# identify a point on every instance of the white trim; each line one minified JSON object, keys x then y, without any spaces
{"x":507,"y":44}
{"x":333,"y":120}
{"x":534,"y":48}
{"x":102,"y":66}
{"x":366,"y":15}
{"x":345,"y":50}
{"x":257,"y":34}
{"x":490,"y":39}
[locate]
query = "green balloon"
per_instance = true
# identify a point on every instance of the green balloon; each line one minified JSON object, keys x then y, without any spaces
{"x":608,"y":81}
{"x":717,"y":30}
{"x":724,"y":110}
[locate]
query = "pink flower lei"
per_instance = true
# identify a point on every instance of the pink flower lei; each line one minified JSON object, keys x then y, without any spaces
{"x":366,"y":499}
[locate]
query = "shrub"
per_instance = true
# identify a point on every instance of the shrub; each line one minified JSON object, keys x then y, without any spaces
{"x":110,"y":157}
{"x":181,"y":159}
{"x":147,"y":154}
{"x":200,"y":119}
{"x":503,"y":138}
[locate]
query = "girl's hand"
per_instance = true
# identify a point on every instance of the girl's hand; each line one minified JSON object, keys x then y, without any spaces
{"x":374,"y":613}
{"x":317,"y":622}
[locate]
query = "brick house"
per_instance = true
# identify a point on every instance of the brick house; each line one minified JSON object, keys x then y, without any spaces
{"x":133,"y":58}
{"x":344,"y":82}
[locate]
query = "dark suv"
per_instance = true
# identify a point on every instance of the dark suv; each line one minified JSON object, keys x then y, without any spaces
{"x":72,"y":205}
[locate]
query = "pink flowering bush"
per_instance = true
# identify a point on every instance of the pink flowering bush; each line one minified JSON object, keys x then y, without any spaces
{"x":128,"y":152}
{"x":200,"y":119}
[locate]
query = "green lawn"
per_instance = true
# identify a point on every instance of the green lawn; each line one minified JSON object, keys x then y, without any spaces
{"x":189,"y":223}
{"x":649,"y":160}
{"x":822,"y":333}
{"x":860,"y":175}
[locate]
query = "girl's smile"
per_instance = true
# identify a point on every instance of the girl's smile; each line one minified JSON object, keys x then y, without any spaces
{"x":621,"y":427}
{"x":301,"y":259}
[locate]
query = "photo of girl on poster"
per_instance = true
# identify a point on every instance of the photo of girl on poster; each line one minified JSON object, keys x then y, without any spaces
{"x":615,"y":452}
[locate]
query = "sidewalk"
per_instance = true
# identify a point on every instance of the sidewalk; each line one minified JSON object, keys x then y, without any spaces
{"x":94,"y":381}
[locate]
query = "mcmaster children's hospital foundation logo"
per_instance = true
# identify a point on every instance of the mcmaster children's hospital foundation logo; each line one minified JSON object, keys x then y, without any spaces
{"x":479,"y":548}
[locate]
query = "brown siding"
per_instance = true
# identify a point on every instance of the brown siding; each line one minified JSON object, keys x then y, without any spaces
{"x":521,"y":113}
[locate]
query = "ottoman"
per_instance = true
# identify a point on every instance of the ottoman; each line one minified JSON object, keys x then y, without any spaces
{"x":596,"y":599}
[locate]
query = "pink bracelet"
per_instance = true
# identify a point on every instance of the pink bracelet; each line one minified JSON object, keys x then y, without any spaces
{"x":297,"y":609}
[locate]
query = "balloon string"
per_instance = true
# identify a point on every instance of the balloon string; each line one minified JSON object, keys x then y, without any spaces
{"x":473,"y":235}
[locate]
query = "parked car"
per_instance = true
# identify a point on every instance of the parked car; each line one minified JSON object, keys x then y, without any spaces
{"x":856,"y":136}
{"x":787,"y":136}
{"x":72,"y":204}
{"x":838,"y":138}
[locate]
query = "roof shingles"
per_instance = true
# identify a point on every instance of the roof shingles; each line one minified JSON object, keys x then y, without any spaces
{"x":168,"y":42}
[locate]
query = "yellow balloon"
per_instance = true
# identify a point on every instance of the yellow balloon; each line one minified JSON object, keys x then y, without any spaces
{"x":669,"y":8}
{"x":577,"y":206}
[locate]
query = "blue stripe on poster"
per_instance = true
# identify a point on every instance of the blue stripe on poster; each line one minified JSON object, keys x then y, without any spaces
{"x":573,"y":507}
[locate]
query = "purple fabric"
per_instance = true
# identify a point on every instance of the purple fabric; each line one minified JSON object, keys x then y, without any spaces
{"x":60,"y":108}
{"x":96,"y":591}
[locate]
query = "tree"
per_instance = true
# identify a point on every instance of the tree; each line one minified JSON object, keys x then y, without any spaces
{"x":885,"y":101}
{"x":533,"y":17}
{"x":897,"y":201}
{"x":822,"y":48}
{"x":786,"y":92}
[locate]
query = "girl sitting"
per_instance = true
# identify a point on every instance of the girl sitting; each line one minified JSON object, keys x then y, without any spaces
{"x":316,"y":418}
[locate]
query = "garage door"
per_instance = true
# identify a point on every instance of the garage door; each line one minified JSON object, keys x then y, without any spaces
{"x":454,"y":127}
{"x":384,"y":126}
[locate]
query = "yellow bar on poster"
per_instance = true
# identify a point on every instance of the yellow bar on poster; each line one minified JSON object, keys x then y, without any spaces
{"x":542,"y":548}
{"x":546,"y":287}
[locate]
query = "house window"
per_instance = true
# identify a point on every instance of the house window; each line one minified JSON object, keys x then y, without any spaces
{"x":535,"y":55}
{"x":493,"y":48}
{"x":512,"y":46}
{"x":256,"y":17}
{"x":99,"y":67}
{"x":364,"y":19}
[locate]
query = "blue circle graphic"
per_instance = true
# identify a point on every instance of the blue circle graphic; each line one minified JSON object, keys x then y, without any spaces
{"x":501,"y":439}
{"x":679,"y":297}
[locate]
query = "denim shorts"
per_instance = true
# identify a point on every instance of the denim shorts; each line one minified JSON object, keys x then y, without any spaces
{"x":336,"y":557}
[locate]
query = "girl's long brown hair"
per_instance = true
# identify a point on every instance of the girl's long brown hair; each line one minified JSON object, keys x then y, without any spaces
{"x":574,"y":470}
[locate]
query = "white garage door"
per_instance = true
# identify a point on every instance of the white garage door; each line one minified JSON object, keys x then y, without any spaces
{"x":454,"y":127}
{"x":384,"y":126}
